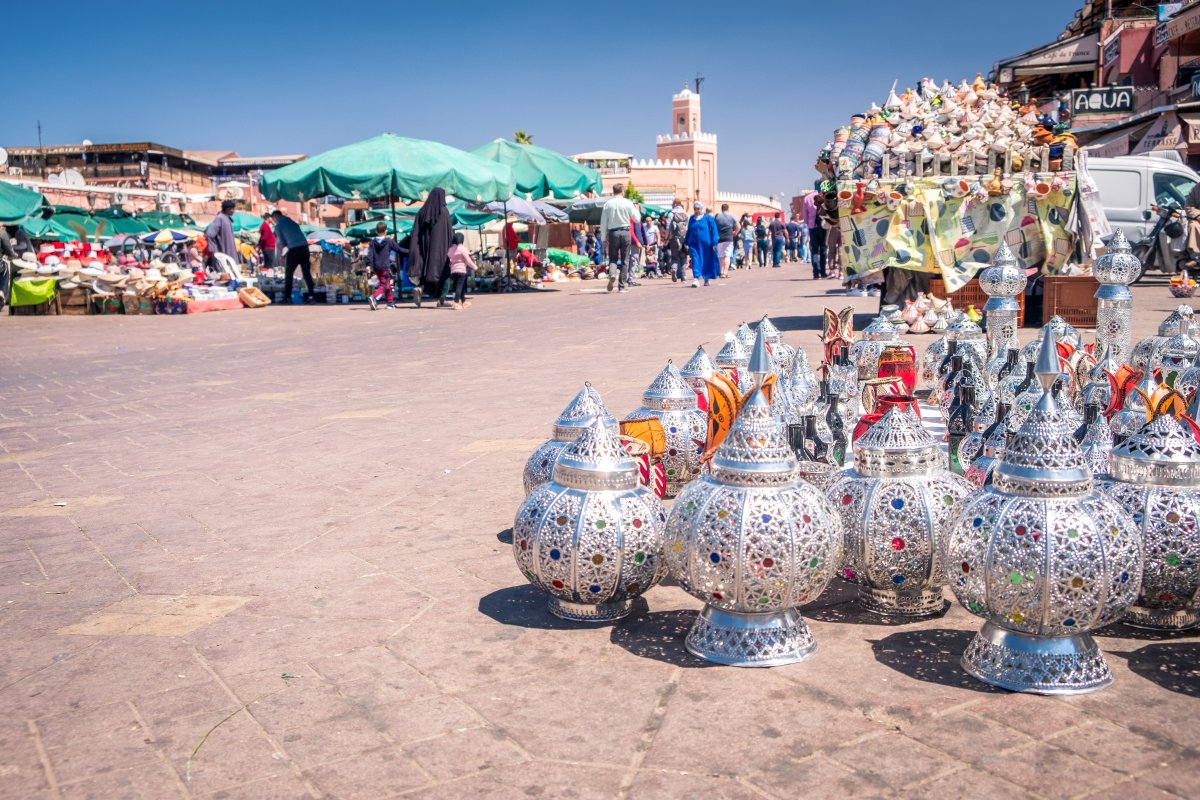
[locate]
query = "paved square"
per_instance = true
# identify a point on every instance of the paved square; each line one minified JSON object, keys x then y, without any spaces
{"x":263,"y":554}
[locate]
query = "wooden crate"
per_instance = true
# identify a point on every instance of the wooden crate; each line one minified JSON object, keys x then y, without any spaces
{"x":970,"y":295}
{"x":74,"y":301}
{"x":1070,"y":297}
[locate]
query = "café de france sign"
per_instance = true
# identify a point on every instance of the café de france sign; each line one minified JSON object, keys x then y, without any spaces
{"x":1102,"y":100}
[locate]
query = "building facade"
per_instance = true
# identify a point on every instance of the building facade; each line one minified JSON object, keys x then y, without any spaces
{"x":684,"y":166}
{"x":147,"y":176}
{"x":1126,"y":75}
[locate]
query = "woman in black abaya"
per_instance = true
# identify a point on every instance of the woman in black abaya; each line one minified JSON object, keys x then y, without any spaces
{"x":428,"y":265}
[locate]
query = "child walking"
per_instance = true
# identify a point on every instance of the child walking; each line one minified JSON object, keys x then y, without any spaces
{"x":460,"y":264}
{"x":382,"y":253}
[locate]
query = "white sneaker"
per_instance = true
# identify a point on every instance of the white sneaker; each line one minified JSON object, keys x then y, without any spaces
{"x":612,"y":281}
{"x":695,"y":284}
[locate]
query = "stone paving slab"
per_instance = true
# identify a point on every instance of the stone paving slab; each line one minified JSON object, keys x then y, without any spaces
{"x":266,"y":554}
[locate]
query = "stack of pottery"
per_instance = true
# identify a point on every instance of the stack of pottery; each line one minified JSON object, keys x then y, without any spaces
{"x":964,"y":125}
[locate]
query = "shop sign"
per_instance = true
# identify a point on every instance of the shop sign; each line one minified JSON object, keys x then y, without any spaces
{"x":1161,"y":37}
{"x":1102,"y":100}
{"x":1184,"y":23}
{"x":1112,"y":49}
{"x":1164,"y":135}
{"x":1168,"y":10}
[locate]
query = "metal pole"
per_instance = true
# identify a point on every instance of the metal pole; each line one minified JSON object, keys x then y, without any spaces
{"x":507,"y":252}
{"x":396,"y":232}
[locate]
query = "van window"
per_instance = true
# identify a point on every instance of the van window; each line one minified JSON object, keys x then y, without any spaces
{"x":1171,"y":189}
{"x":1120,"y":188}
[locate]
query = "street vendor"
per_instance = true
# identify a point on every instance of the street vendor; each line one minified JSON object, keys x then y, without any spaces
{"x":220,"y":232}
{"x":1191,"y":205}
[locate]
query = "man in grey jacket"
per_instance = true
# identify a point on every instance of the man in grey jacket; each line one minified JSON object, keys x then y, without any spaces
{"x":220,"y":233}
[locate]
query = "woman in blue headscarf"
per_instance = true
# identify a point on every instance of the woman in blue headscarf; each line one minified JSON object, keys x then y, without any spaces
{"x":702,"y":245}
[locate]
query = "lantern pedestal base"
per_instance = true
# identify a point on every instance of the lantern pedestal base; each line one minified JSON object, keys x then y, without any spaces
{"x":590,"y":612}
{"x":750,"y":640}
{"x":1160,"y":619}
{"x":1020,"y":662}
{"x":924,"y":603}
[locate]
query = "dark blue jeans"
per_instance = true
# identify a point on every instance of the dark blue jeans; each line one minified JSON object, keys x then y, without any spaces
{"x":762,"y":252}
{"x":776,"y":252}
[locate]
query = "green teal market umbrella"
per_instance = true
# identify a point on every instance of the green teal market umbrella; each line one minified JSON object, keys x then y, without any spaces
{"x":390,"y":166}
{"x":18,"y":204}
{"x":539,"y":172}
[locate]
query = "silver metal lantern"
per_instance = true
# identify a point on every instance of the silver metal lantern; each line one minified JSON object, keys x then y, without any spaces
{"x":1043,"y":557}
{"x":1148,"y":353}
{"x":698,"y":369}
{"x":1003,"y":281}
{"x":1133,"y":414}
{"x":781,"y":351}
{"x":733,"y":359}
{"x":1155,"y":477}
{"x":866,"y":350}
{"x":591,"y":538}
{"x":1115,"y":270}
{"x":895,"y":505}
{"x":671,"y":400}
{"x":745,"y":336}
{"x":579,"y":414}
{"x":753,"y":542}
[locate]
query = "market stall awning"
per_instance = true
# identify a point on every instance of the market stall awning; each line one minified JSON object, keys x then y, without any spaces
{"x":390,"y":166}
{"x":1077,"y":54}
{"x":18,"y":204}
{"x":245,"y":222}
{"x":538,"y":172}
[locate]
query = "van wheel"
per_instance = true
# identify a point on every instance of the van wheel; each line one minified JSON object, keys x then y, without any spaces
{"x":1143,"y":253}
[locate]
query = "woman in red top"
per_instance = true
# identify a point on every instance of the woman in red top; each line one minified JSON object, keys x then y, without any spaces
{"x":266,"y":242}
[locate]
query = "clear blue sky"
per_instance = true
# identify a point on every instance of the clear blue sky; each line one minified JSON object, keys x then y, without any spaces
{"x":306,"y":76}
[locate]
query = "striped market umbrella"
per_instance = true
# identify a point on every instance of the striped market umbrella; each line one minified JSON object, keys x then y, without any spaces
{"x":168,"y":236}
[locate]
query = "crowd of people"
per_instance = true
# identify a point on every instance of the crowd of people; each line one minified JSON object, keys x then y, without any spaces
{"x":627,"y":245}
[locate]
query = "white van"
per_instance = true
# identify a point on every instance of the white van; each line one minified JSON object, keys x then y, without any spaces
{"x":1129,"y":185}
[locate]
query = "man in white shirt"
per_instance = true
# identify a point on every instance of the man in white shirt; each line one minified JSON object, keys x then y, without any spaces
{"x":614,"y":227}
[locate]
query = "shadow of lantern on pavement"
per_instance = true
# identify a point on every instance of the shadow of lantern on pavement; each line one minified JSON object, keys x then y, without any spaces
{"x":525,"y":606}
{"x":659,"y":636}
{"x":1175,"y":666}
{"x":930,"y":655}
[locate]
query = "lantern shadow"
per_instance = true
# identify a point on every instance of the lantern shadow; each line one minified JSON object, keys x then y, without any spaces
{"x":659,"y":636}
{"x":839,"y":603}
{"x":1120,"y":630}
{"x":505,"y":536}
{"x":930,"y":655}
{"x":1175,"y":666}
{"x":525,"y":606}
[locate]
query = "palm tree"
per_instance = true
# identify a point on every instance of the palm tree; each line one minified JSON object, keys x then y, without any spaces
{"x":521,"y":137}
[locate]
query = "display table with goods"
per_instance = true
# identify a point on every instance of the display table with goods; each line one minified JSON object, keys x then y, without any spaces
{"x":935,"y":180}
{"x":54,"y":286}
{"x":764,"y":507}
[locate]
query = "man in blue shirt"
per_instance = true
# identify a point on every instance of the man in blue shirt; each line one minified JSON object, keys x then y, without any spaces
{"x":289,"y":236}
{"x":793,"y":234}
